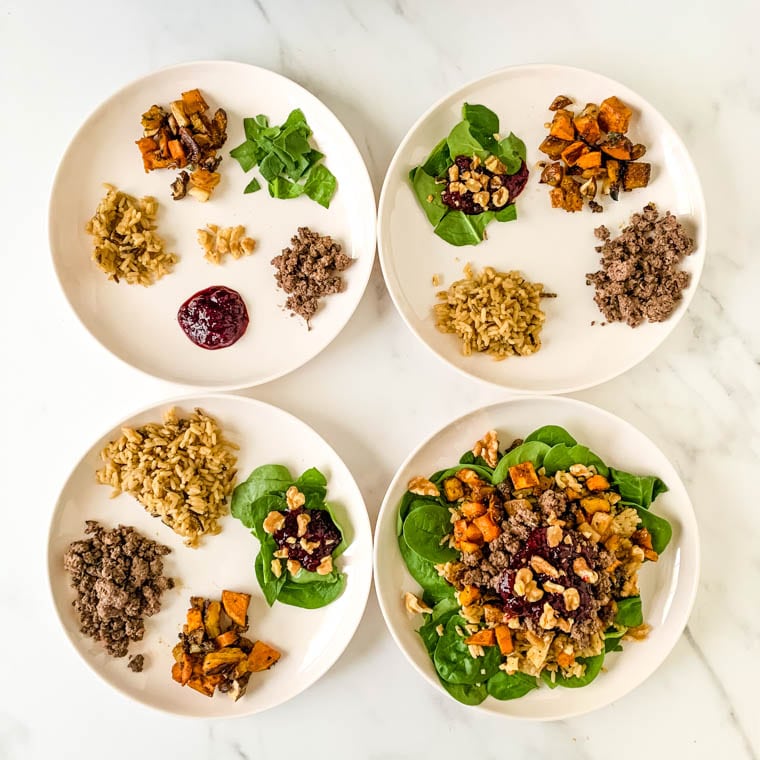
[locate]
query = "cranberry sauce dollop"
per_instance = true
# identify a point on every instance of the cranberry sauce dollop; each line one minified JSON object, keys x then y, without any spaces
{"x":321,"y":530}
{"x":214,"y":318}
{"x":561,"y":558}
{"x":514,"y":183}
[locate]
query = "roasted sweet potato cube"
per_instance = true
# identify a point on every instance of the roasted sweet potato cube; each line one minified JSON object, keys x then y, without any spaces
{"x":216,"y":662}
{"x":643,"y":538}
{"x":235,"y":604}
{"x":565,"y":660}
{"x":483,"y":638}
{"x":597,"y":483}
{"x":452,"y":489}
{"x":487,"y":527}
{"x":177,"y":152}
{"x":614,"y":115}
{"x":178,"y":652}
{"x":552,"y":174}
{"x":460,"y":529}
{"x":468,"y":595}
{"x":203,"y":685}
{"x":523,"y":475}
{"x":194,"y":102}
{"x":562,"y":125}
{"x":593,"y":504}
{"x":587,"y":124}
{"x":473,"y":533}
{"x":262,"y":657}
{"x":468,"y":547}
{"x":504,"y":639}
{"x":590,"y":160}
{"x":472,"y":509}
{"x":211,"y":619}
{"x":194,"y":620}
{"x":188,"y":668}
{"x":651,"y":555}
{"x":617,"y":146}
{"x":177,"y":672}
{"x":226,"y":639}
{"x":573,"y":152}
{"x":573,"y":200}
{"x":492,"y":613}
{"x":553,"y":147}
{"x":636,"y":174}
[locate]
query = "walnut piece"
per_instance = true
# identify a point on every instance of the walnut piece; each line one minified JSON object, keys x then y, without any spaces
{"x":303,"y":521}
{"x":422,"y":487}
{"x":583,"y":571}
{"x":325,"y":567}
{"x":294,"y":498}
{"x":414,"y":605}
{"x":572,"y":599}
{"x":273,"y":522}
{"x":540,"y":565}
{"x":488,"y":446}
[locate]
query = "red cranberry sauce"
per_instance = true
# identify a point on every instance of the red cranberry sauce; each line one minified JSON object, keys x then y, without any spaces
{"x":214,"y":318}
{"x":514,"y":183}
{"x":320,"y":530}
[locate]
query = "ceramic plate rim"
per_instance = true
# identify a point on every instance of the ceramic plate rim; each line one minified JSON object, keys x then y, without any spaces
{"x":385,"y":514}
{"x":363,"y":518}
{"x":392,"y":170}
{"x":365,"y":179}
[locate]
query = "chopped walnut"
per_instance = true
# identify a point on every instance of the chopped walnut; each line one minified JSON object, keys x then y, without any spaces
{"x":522,"y":578}
{"x":549,"y":618}
{"x":294,"y":566}
{"x":294,"y":498}
{"x":583,"y":571}
{"x":303,"y":521}
{"x":414,"y":604}
{"x":422,"y":487}
{"x":325,"y":567}
{"x":553,"y":535}
{"x":276,"y":568}
{"x":572,"y":599}
{"x":533,"y":593}
{"x":273,"y":522}
{"x":540,"y":565}
{"x":488,"y":446}
{"x":217,"y":242}
{"x":553,"y":588}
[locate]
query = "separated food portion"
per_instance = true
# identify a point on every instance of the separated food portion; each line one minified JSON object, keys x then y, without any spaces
{"x":591,"y":156}
{"x":213,"y":654}
{"x":182,"y":470}
{"x":214,"y":317}
{"x":498,"y":313}
{"x":641,"y":278}
{"x":299,"y":535}
{"x":185,"y":137}
{"x":471,"y":178}
{"x":118,"y":576}
{"x":528,"y":559}
{"x":218,"y":242}
{"x":125,"y":243}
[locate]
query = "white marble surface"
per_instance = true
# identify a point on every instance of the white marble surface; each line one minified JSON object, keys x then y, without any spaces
{"x":378,"y":65}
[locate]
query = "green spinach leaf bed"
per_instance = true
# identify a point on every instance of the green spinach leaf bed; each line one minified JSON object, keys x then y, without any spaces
{"x":527,"y":561}
{"x":299,"y":535}
{"x":472,"y":177}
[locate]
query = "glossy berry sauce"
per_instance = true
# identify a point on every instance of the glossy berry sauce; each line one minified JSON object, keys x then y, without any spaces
{"x":214,"y":318}
{"x":561,"y":557}
{"x":320,"y":530}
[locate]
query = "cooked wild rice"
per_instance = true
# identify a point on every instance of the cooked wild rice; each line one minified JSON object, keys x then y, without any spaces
{"x":126,"y":245}
{"x":182,"y":471}
{"x":498,"y":313}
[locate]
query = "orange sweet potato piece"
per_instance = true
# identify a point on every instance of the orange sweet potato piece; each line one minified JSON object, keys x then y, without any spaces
{"x":468,"y":595}
{"x":562,"y":125}
{"x":226,"y":639}
{"x":186,"y":668}
{"x":594,"y":504}
{"x":617,"y":146}
{"x":212,"y":618}
{"x":216,"y":662}
{"x":553,"y":147}
{"x":483,"y":638}
{"x":573,"y":152}
{"x":473,"y":533}
{"x":177,"y":152}
{"x":460,"y":530}
{"x":523,"y":475}
{"x":597,"y":483}
{"x":235,"y":604}
{"x":590,"y":160}
{"x":565,"y":660}
{"x":587,"y":124}
{"x":202,"y":685}
{"x":468,"y":547}
{"x":504,"y":639}
{"x":487,"y":527}
{"x":262,"y":657}
{"x":194,"y":102}
{"x":194,"y":620}
{"x":472,"y":509}
{"x":614,"y":115}
{"x":177,"y":672}
{"x":636,"y":174}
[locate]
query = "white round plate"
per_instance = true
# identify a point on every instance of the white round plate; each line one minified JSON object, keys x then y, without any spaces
{"x":310,"y":640}
{"x":547,"y":245}
{"x":139,"y":325}
{"x":668,"y":587}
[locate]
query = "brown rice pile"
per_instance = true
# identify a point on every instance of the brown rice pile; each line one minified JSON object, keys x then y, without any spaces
{"x":498,"y":313}
{"x":182,"y":471}
{"x":126,"y":246}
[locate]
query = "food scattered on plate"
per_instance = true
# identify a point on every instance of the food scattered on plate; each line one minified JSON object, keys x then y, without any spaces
{"x":125,"y":243}
{"x":213,"y":654}
{"x":309,"y":270}
{"x":641,"y":279}
{"x":591,"y":154}
{"x":214,"y":317}
{"x":529,"y":561}
{"x":498,"y":313}
{"x":181,"y":470}
{"x":118,"y":578}
{"x":286,"y":159}
{"x":471,"y":178}
{"x":185,"y":137}
{"x":300,"y":538}
{"x":217,"y":242}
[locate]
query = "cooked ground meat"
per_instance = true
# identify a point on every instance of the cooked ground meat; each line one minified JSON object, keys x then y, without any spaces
{"x":640,"y":279}
{"x":309,"y":270}
{"x":553,"y":503}
{"x":118,"y":577}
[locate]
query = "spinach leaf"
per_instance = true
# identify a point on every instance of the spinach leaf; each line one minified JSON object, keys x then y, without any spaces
{"x":425,"y":528}
{"x":503,"y":686}
{"x":296,"y":121}
{"x":453,"y":661}
{"x":467,"y":694}
{"x":424,"y":187}
{"x":312,"y":481}
{"x":260,"y":508}
{"x":310,"y":596}
{"x":551,"y":435}
{"x":629,"y":612}
{"x":271,"y":166}
{"x":269,"y":583}
{"x":462,"y":142}
{"x":659,"y":528}
{"x":438,"y":161}
{"x":637,"y":489}
{"x":343,"y":545}
{"x":593,"y":668}
{"x":561,"y":457}
{"x":409,"y":501}
{"x":468,"y":458}
{"x":268,"y":477}
{"x":612,"y":638}
{"x":532,"y":451}
{"x":442,"y":611}
{"x":481,"y":118}
{"x":246,"y":154}
{"x":458,"y":228}
{"x":425,"y":573}
{"x":252,"y":186}
{"x":306,"y":576}
{"x":284,"y":188}
{"x":511,"y":150}
{"x":320,"y":185}
{"x":441,"y":475}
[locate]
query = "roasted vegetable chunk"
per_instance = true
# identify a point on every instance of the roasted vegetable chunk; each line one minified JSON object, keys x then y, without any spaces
{"x":217,"y":662}
{"x":483,"y":638}
{"x":552,"y":174}
{"x":262,"y":657}
{"x":562,"y":125}
{"x":617,"y":146}
{"x":453,"y":490}
{"x":553,"y":147}
{"x":236,"y":606}
{"x":614,"y":115}
{"x":587,"y":124}
{"x":636,"y":174}
{"x":523,"y":475}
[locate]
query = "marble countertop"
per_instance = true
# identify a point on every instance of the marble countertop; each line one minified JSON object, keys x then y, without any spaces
{"x":378,"y":65}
